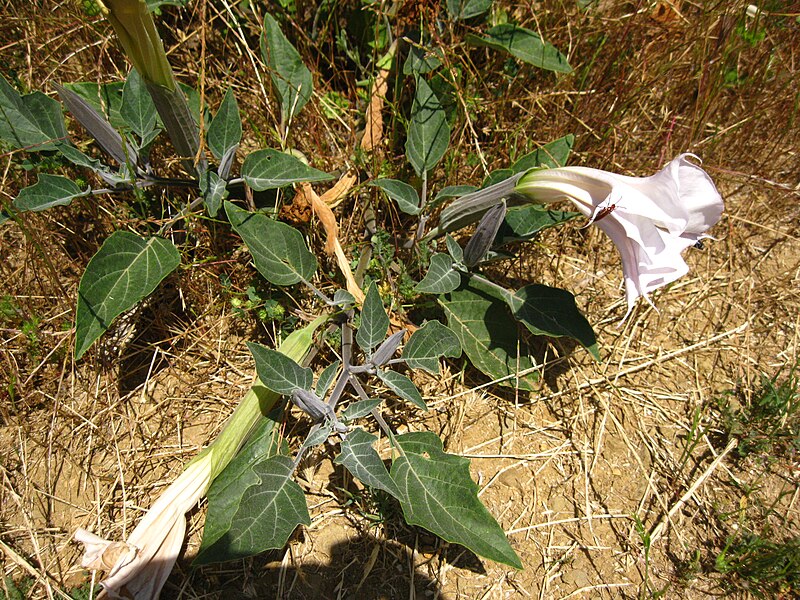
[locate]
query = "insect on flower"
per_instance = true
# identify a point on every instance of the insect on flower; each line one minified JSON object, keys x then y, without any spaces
{"x":604,"y":212}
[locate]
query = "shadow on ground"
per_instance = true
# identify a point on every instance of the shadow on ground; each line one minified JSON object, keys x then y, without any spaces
{"x":362,"y":567}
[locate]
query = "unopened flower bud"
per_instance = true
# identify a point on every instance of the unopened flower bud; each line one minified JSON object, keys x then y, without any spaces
{"x":387,"y":349}
{"x":484,"y":235}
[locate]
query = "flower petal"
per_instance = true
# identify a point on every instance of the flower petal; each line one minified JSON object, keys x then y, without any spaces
{"x":699,"y":196}
{"x":102,"y":554}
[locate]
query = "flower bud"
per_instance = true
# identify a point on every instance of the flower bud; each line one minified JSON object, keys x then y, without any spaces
{"x":480,"y":242}
{"x":387,"y":349}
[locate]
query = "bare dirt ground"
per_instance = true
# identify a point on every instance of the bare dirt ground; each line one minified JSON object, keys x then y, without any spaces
{"x":617,"y":479}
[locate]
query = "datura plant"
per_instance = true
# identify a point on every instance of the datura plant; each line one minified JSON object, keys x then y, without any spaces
{"x":246,"y":476}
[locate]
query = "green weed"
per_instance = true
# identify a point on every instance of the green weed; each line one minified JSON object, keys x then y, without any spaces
{"x":12,"y":315}
{"x":15,"y":590}
{"x":763,"y":567}
{"x":767,"y":425}
{"x":644,"y":536}
{"x":9,"y":310}
{"x":30,"y":329}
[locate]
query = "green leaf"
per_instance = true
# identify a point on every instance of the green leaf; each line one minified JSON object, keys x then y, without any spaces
{"x":47,"y":115}
{"x":47,"y":192}
{"x":317,"y":436}
{"x":261,"y":514}
{"x":551,"y":311}
{"x":489,"y":335}
{"x":214,"y":190}
{"x":403,"y":387}
{"x":359,"y":409}
{"x":496,"y":176}
{"x":280,"y":254}
{"x":406,"y":196}
{"x":269,"y":169}
{"x":137,"y":108}
{"x":439,"y":495}
{"x":33,"y":122}
{"x":524,"y":222}
{"x":428,"y":131}
{"x":374,"y":320}
{"x":427,"y":344}
{"x":126,"y":269}
{"x":553,"y":154}
{"x":525,"y":45}
{"x":441,"y":277}
{"x":225,"y":130}
{"x":421,"y":60}
{"x":326,"y":378}
{"x":153,"y":5}
{"x":76,"y":157}
{"x":461,"y":10}
{"x":454,"y":191}
{"x":343,"y":298}
{"x":105,"y":98}
{"x":362,"y":460}
{"x":226,"y":490}
{"x":455,"y":251}
{"x":291,"y":78}
{"x":278,"y":372}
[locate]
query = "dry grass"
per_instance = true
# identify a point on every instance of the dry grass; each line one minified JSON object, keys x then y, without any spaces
{"x":566,"y":471}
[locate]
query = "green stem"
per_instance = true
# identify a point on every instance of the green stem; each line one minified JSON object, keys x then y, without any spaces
{"x":255,"y":405}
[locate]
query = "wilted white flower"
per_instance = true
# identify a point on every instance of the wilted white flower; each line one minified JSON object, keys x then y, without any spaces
{"x":138,"y":567}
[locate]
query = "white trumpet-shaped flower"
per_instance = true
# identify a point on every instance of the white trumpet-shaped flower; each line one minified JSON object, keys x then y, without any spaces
{"x":651,"y":220}
{"x":138,"y":567}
